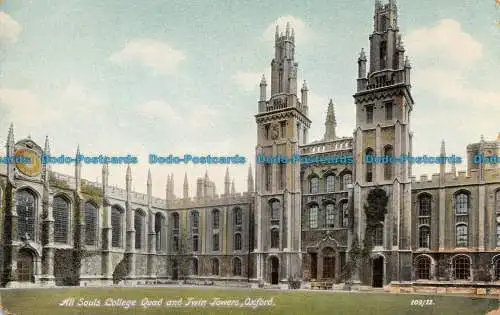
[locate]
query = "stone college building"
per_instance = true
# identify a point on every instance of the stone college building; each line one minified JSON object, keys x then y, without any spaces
{"x":358,"y":223}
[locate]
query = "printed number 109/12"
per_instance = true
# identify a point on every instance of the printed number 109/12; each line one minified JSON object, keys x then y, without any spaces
{"x":422,"y":303}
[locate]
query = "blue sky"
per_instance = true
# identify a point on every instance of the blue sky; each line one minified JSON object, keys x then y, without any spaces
{"x":179,"y":77}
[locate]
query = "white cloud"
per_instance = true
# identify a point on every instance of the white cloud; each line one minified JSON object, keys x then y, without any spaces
{"x":156,"y":55}
{"x":9,"y":29}
{"x":157,"y":109}
{"x":303,"y":33}
{"x":24,"y":107}
{"x":445,"y":44}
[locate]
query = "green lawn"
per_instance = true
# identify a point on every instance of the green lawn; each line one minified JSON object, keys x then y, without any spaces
{"x":46,"y":301}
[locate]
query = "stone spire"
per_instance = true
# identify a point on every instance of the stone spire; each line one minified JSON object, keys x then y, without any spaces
{"x":227,"y":182}
{"x":9,"y":147}
{"x":233,"y":188}
{"x":128,"y":179}
{"x":46,"y":166}
{"x":330,"y":123}
{"x":149,"y":185}
{"x":78,"y":170}
{"x":185,"y":187}
{"x":250,"y":187}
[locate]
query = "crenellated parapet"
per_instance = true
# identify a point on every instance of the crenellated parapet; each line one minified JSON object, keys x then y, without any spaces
{"x":459,"y":179}
{"x":217,"y":200}
{"x":338,"y":145}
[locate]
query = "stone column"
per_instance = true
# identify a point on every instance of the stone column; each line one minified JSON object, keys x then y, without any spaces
{"x":481,"y":215}
{"x":107,"y":267}
{"x":151,"y":244}
{"x":47,"y":277}
{"x":130,"y":241}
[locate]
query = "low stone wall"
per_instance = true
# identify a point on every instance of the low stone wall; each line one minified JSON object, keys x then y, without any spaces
{"x":447,"y":288}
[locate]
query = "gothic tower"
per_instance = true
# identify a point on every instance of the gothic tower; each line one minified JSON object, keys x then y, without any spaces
{"x":282,"y":125}
{"x":382,"y":191}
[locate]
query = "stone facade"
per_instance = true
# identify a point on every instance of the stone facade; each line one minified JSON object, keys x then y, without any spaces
{"x":297,"y":221}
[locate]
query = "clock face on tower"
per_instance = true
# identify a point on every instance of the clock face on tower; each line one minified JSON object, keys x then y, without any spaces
{"x":31,"y":169}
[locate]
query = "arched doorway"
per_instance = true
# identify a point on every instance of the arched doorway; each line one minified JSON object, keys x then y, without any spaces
{"x":274,"y":261}
{"x":25,"y":266}
{"x":378,"y":272}
{"x":175,"y":270}
{"x":328,"y":263}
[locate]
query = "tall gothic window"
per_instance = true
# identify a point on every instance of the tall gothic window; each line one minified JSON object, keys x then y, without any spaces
{"x":369,"y":166}
{"x":498,"y":230}
{"x":282,"y":175}
{"x":461,"y":267}
{"x":313,"y":217}
{"x":345,"y":214}
{"x":236,"y":266}
{"x":330,"y":215}
{"x":275,"y":238}
{"x":159,"y":231}
{"x":267,"y":176}
{"x":61,"y":219}
{"x":195,"y":243}
{"x":383,"y":54}
{"x":237,"y":241}
{"x":116,"y":227}
{"x":195,"y":219}
{"x":314,"y":185}
{"x":388,"y":111}
{"x":423,"y":268}
{"x":497,"y":197}
{"x":215,"y":242}
{"x":424,"y":206}
{"x":237,"y":214}
{"x":175,"y":221}
{"x":175,"y":243}
{"x":330,"y":183}
{"x":388,"y":166}
{"x":346,"y":181}
{"x":25,"y":207}
{"x":497,"y":270}
{"x":215,"y":219}
{"x":462,"y":204}
{"x":369,"y":114}
{"x":139,"y":219}
{"x":194,"y":267}
{"x":215,"y":267}
{"x":91,"y":224}
{"x":462,"y":235}
{"x":175,"y":232}
{"x":275,"y":210}
{"x":378,"y":235}
{"x":424,"y":235}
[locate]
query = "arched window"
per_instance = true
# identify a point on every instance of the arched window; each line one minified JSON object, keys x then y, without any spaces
{"x":330,"y":215}
{"x":116,"y":227}
{"x":346,"y":181}
{"x":236,"y":266}
{"x":139,"y":219}
{"x":424,"y":205}
{"x":345,"y":214}
{"x":237,"y":241}
{"x":215,"y":219}
{"x":215,"y":266}
{"x":497,"y":269}
{"x":237,"y":216}
{"x":388,"y":165}
{"x":215,"y":242}
{"x":314,"y":185}
{"x":61,"y":219}
{"x":330,"y":183}
{"x":313,"y":216}
{"x":195,"y":243}
{"x":195,"y":219}
{"x":275,"y":238}
{"x":461,"y":267}
{"x":369,"y":165}
{"x":275,"y":210}
{"x":462,"y":235}
{"x":498,"y":230}
{"x":25,"y":207}
{"x":423,"y":268}
{"x":91,"y":224}
{"x":175,"y":221}
{"x":194,"y":267}
{"x":462,"y":204}
{"x":175,"y":243}
{"x":159,"y":230}
{"x":378,"y":235}
{"x":497,"y":203}
{"x":424,"y":237}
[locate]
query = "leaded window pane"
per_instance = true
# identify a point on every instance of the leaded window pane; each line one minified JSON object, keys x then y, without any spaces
{"x":116,"y":226}
{"x":237,"y":216}
{"x":330,"y":215}
{"x":236,"y":267}
{"x":275,"y":238}
{"x":25,"y":207}
{"x":346,"y":181}
{"x":314,"y":183}
{"x":61,"y":215}
{"x":159,"y":222}
{"x":237,"y":241}
{"x":215,"y":219}
{"x":91,"y":224}
{"x":424,"y":237}
{"x":461,"y":267}
{"x":462,"y":235}
{"x":345,"y":214}
{"x":424,"y":203}
{"x":215,"y":242}
{"x":139,"y":228}
{"x":313,"y":217}
{"x":275,"y":210}
{"x":330,"y":183}
{"x":462,"y":204}
{"x":423,"y":268}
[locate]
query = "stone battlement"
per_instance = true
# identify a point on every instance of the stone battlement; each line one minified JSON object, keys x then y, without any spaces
{"x":451,"y":179}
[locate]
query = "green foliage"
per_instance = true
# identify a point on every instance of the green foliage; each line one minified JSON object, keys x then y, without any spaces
{"x":53,"y":181}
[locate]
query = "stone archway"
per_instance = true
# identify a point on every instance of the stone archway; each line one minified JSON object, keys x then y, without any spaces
{"x":25,"y":266}
{"x":378,"y":270}
{"x":274,"y":265}
{"x":329,"y":263}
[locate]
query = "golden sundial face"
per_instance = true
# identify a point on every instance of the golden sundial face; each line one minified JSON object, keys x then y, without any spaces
{"x":31,"y":169}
